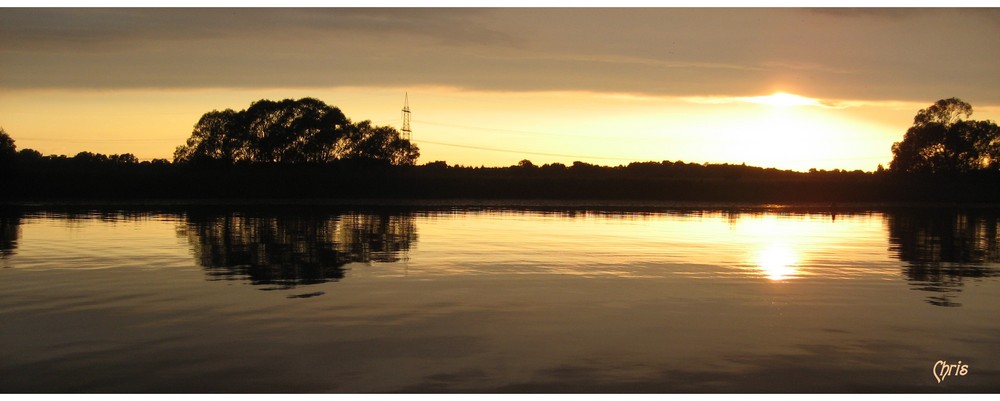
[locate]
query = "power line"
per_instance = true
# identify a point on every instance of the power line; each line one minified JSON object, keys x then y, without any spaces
{"x":488,"y":128}
{"x":97,"y":140}
{"x":517,"y":132}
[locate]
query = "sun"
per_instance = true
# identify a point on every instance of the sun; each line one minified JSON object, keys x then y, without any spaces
{"x":782,"y":99}
{"x":789,"y":131}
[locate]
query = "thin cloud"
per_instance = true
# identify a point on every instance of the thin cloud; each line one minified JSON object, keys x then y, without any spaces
{"x":921,"y":55}
{"x":775,"y":99}
{"x":791,"y":100}
{"x":90,"y":29}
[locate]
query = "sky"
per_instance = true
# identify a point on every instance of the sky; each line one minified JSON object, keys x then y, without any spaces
{"x":788,"y":88}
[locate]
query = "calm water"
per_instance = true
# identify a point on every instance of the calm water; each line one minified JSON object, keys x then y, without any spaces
{"x":498,"y":300}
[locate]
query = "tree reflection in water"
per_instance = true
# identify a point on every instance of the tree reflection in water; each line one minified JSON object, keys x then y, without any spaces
{"x":942,"y":249}
{"x":285,"y":251}
{"x":10,"y":231}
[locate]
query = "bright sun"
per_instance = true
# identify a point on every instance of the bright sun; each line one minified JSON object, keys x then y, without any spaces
{"x":789,"y":131}
{"x":781,"y":99}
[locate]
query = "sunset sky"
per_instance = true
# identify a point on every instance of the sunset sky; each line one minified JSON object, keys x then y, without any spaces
{"x":787,"y":88}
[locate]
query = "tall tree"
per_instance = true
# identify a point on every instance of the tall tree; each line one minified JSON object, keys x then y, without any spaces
{"x":942,"y":141}
{"x":291,"y":131}
{"x":7,"y":148}
{"x":216,"y":136}
{"x":366,"y":141}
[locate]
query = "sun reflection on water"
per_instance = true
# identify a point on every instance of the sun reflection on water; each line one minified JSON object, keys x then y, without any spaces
{"x":777,"y":262}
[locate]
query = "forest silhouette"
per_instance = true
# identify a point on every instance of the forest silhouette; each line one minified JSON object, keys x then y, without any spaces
{"x":307,"y":149}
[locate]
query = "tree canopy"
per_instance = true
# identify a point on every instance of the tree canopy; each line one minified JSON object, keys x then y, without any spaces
{"x":7,"y":148}
{"x":942,"y":141}
{"x":291,"y":131}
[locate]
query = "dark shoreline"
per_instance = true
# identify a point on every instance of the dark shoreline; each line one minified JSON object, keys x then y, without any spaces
{"x":639,"y":185}
{"x":466,"y":205}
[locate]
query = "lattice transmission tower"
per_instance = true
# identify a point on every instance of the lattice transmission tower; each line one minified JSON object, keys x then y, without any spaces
{"x":406,"y":117}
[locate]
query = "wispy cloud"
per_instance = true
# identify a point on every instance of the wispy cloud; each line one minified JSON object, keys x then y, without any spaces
{"x":776,"y":99}
{"x":782,"y":99}
{"x":921,"y":56}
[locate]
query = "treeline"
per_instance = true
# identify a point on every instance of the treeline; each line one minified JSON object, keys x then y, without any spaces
{"x":679,"y":181}
{"x":307,"y":149}
{"x":60,"y":178}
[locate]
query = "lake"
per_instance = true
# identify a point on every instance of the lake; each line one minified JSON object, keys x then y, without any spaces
{"x":328,"y":298}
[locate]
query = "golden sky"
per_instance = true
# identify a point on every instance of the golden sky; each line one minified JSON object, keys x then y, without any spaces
{"x":787,"y":88}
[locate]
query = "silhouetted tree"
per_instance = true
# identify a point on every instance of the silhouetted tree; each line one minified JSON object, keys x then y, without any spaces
{"x":29,"y":155}
{"x":7,"y":148}
{"x":88,"y":157}
{"x":365,"y":141}
{"x":124,"y":158}
{"x":216,"y":136}
{"x":437,"y":165}
{"x":554,"y":166}
{"x":290,"y":131}
{"x":942,"y":141}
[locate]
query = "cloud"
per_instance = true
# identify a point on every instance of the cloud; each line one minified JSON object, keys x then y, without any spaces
{"x":90,"y":29}
{"x":846,"y":54}
{"x":776,"y":99}
{"x":790,"y":100}
{"x":858,"y":12}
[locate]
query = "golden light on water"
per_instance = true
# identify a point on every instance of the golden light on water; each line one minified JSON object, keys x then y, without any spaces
{"x":777,"y":262}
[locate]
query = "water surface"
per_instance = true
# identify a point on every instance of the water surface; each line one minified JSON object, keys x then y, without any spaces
{"x":324,"y":299}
